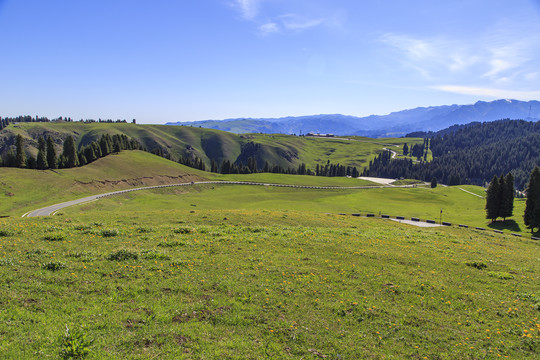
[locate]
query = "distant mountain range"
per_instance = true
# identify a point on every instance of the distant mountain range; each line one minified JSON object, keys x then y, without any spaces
{"x":396,"y":124}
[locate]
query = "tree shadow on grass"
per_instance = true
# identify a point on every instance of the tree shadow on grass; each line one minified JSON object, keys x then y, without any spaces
{"x":505,"y":225}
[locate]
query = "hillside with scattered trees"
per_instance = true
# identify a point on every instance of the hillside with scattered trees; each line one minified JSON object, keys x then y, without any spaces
{"x":204,"y":149}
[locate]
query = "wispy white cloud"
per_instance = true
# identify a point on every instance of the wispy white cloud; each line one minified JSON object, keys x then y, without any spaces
{"x":253,"y":11}
{"x":491,"y":92}
{"x":248,"y":8}
{"x":412,"y":48}
{"x":296,"y":22}
{"x":431,"y":57}
{"x":494,"y":61}
{"x":505,"y":61}
{"x":269,"y":28}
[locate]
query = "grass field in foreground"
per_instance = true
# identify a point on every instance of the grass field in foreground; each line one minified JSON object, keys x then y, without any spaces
{"x":218,"y":284}
{"x":458,"y":207}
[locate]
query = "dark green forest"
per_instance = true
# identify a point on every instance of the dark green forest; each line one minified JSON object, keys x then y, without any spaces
{"x":471,"y":155}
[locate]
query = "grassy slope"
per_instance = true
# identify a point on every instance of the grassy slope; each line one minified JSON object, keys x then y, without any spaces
{"x":352,"y":151}
{"x":207,"y":144}
{"x":254,"y":284}
{"x":458,"y":207}
{"x":23,"y":190}
{"x":174,"y":139}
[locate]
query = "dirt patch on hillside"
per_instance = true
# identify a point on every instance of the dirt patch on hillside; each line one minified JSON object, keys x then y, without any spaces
{"x":121,"y":184}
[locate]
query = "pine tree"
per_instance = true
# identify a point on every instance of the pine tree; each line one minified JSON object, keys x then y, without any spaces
{"x":493,"y":199}
{"x":434,"y":183}
{"x":89,"y":154}
{"x":531,"y":217}
{"x":405,"y":149}
{"x":41,"y":162}
{"x":70,"y":153}
{"x":51,"y":154}
{"x":225,"y":167}
{"x":214,"y":166}
{"x":117,"y":146}
{"x":31,"y":162}
{"x":507,"y":197}
{"x":20,"y":156}
{"x":104,"y":145}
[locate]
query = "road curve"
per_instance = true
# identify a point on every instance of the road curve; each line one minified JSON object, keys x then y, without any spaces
{"x":48,"y":210}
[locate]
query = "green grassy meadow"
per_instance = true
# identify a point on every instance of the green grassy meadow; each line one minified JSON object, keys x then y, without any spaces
{"x":252,"y":284}
{"x":458,"y":207}
{"x":217,"y":271}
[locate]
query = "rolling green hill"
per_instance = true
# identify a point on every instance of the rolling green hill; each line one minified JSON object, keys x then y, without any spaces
{"x":206,"y":144}
{"x":23,"y":190}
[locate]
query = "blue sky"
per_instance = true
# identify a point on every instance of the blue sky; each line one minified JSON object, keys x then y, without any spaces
{"x":182,"y":60}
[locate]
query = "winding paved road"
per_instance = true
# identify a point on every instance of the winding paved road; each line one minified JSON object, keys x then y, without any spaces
{"x":46,"y":211}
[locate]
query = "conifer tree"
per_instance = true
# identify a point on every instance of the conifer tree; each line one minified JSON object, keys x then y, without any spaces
{"x":104,"y":145}
{"x":493,"y":199}
{"x":214,"y":166}
{"x":70,"y":153}
{"x":51,"y":154}
{"x":507,"y":197}
{"x":434,"y":183}
{"x":531,"y":217}
{"x":405,"y":149}
{"x":41,"y":162}
{"x":20,"y":156}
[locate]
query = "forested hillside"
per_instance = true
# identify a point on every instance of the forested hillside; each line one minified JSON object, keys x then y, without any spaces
{"x":478,"y":134}
{"x":472,"y":155}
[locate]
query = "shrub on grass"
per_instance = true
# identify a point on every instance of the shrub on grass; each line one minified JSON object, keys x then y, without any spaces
{"x":183,"y":230}
{"x":5,"y":233}
{"x":122,"y":255}
{"x":501,"y":275}
{"x":109,"y":232}
{"x":477,"y":264}
{"x":54,"y":237}
{"x":53,"y":266}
